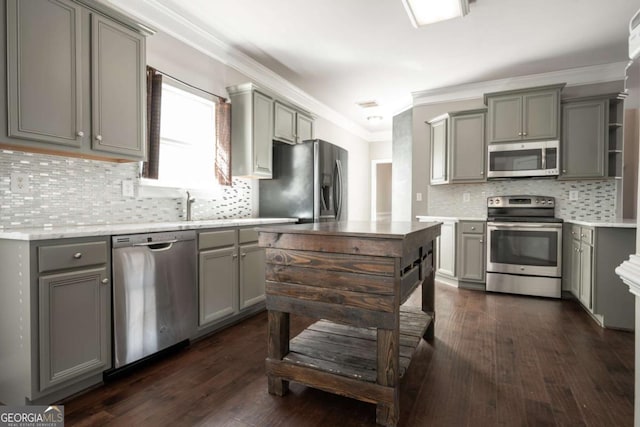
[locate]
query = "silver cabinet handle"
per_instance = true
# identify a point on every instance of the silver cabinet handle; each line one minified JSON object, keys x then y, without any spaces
{"x":481,"y":172}
{"x":481,"y":241}
{"x":98,"y":137}
{"x":564,"y":171}
{"x":80,"y":133}
{"x":105,"y":281}
{"x":519,"y":133}
{"x":473,"y":227}
{"x":234,"y":256}
{"x":582,"y":235}
{"x":524,"y":134}
{"x":77,"y":255}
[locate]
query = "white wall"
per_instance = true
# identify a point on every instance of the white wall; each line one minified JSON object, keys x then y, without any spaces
{"x":186,"y":63}
{"x":380,"y":150}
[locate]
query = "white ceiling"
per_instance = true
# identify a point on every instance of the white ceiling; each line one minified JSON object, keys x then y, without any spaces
{"x":341,"y":52}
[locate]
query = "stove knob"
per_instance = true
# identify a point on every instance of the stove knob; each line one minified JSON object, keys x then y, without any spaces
{"x":544,"y":202}
{"x":537,"y":201}
{"x":490,"y":201}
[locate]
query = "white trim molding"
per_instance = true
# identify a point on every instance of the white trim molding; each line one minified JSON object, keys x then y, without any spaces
{"x":629,"y":272}
{"x":572,"y":77}
{"x":157,"y":15}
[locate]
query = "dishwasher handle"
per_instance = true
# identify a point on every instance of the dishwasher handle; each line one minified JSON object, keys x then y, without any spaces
{"x":158,"y":246}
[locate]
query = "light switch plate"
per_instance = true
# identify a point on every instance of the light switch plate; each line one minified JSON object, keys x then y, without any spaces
{"x":574,"y":194}
{"x":127,"y":188}
{"x":466,"y":197}
{"x":19,"y":183}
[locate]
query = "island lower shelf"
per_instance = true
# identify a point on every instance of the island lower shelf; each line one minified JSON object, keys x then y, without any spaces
{"x":349,"y":351}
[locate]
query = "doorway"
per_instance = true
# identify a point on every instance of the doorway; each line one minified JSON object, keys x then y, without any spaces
{"x":381,"y":190}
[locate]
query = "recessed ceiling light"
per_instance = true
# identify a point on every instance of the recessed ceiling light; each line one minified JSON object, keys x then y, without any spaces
{"x":374,"y":119}
{"x":368,"y":104}
{"x":424,"y":12}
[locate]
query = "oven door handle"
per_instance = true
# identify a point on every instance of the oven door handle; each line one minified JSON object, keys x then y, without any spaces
{"x":523,"y":225}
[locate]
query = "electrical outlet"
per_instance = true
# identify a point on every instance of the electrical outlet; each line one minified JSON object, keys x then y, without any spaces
{"x":418,"y":197}
{"x":574,"y":195}
{"x":466,"y":197}
{"x":127,"y":188}
{"x":19,"y":183}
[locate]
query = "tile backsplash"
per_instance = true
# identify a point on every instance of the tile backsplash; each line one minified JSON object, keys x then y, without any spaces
{"x":68,"y":191}
{"x":596,"y":199}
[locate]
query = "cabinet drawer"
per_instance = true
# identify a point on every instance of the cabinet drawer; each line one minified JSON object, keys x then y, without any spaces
{"x":586,"y":234}
{"x":216,"y":239}
{"x":248,"y":235}
{"x":60,"y":257}
{"x":472,"y":227}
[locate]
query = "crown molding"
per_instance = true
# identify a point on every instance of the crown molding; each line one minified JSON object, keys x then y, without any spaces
{"x":572,"y":77}
{"x":159,"y":16}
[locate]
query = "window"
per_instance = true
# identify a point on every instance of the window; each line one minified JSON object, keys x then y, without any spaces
{"x":187,"y":139}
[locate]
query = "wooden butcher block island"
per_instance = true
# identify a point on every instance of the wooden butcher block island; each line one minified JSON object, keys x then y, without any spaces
{"x":354,"y":276}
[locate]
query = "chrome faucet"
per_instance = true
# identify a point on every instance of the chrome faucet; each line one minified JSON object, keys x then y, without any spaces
{"x":190,"y":201}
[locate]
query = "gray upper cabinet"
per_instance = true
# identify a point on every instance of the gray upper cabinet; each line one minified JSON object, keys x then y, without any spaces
{"x":44,"y":74}
{"x":75,"y":81}
{"x":118,"y":79}
{"x":458,"y":147}
{"x":284,"y":128}
{"x":584,"y":139}
{"x":468,"y":146}
{"x":290,"y":125}
{"x":251,"y":132}
{"x":524,"y":115}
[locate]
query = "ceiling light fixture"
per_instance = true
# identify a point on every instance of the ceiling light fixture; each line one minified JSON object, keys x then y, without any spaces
{"x":424,"y":12}
{"x":374,"y":119}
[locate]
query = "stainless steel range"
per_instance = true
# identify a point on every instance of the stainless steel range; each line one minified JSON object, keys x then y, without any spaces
{"x":524,"y":246}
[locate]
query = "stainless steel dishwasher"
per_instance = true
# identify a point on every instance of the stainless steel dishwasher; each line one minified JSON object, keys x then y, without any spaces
{"x":154,"y":293}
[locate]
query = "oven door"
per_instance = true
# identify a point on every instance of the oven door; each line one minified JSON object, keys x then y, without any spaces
{"x":525,"y":248}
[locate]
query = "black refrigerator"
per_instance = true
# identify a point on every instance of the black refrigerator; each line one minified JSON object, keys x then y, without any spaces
{"x":309,"y":182}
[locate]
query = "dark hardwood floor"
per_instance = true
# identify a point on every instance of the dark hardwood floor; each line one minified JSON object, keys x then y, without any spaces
{"x":497,"y":360}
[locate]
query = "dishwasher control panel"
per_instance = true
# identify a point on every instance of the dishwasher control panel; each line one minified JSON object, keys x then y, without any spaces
{"x":152,"y":238}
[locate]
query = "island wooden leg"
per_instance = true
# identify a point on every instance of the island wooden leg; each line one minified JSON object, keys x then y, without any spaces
{"x":278,"y":347}
{"x":387,"y":375}
{"x":428,"y":294}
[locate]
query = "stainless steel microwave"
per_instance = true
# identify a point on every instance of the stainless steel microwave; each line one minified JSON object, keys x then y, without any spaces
{"x":524,"y":159}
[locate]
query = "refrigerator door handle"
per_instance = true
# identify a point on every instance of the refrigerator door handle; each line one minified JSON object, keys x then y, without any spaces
{"x":338,"y":191}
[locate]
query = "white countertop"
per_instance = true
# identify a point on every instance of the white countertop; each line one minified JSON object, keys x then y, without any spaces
{"x":43,"y":233}
{"x":448,"y":218}
{"x":612,"y":223}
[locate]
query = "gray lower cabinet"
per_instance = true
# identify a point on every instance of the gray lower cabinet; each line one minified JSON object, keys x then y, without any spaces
{"x":584,"y":139}
{"x":218,"y":275}
{"x":75,"y":81}
{"x":471,"y":253}
{"x":524,"y":115}
{"x":589,"y":273}
{"x":56,"y":295}
{"x":446,"y":253}
{"x":231,"y":275}
{"x":251,"y":132}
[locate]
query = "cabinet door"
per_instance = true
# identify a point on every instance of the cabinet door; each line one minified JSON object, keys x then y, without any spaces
{"x":540,"y":115}
{"x":467,"y":148}
{"x":505,"y":118}
{"x":262,"y":135}
{"x":586,"y":252}
{"x":252,"y":277}
{"x":74,"y":325}
{"x":284,"y":128}
{"x":304,"y":126}
{"x":575,"y":268}
{"x":439,"y":152}
{"x":472,"y":261}
{"x":217,"y":284}
{"x":583,"y":139}
{"x":118,"y":84}
{"x":447,"y":250}
{"x":44,"y":75}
